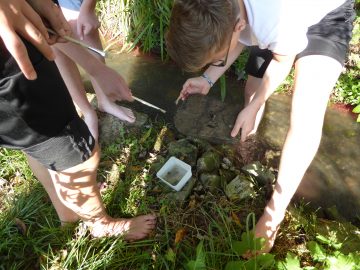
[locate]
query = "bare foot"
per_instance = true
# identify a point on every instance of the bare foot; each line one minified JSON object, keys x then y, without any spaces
{"x":267,"y":229}
{"x":120,"y":112}
{"x":91,"y":120}
{"x":131,"y":229}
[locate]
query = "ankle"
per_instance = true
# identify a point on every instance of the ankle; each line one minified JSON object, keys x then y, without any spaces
{"x":98,"y":221}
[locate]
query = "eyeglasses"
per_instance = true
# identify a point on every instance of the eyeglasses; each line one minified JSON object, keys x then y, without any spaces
{"x":222,"y":63}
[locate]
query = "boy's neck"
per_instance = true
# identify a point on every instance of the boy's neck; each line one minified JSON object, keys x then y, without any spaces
{"x":243,"y":15}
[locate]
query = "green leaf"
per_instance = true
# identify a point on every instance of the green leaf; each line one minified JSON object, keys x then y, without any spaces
{"x":358,"y":119}
{"x":262,"y":261}
{"x":247,"y":243}
{"x":356,"y":109}
{"x":328,"y":241}
{"x":316,"y":251}
{"x":145,"y":136}
{"x":291,"y":262}
{"x":199,"y":263}
{"x":235,"y":265}
{"x":341,"y":262}
{"x":170,"y":255}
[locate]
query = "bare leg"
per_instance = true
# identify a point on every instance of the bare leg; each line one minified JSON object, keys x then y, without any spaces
{"x":75,"y":191}
{"x":72,"y":78}
{"x":251,"y":86}
{"x":105,"y":104}
{"x":315,"y":77}
{"x":66,"y":215}
{"x":81,"y":55}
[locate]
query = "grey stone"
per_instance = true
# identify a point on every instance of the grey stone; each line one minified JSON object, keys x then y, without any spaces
{"x":227,"y":161}
{"x":240,"y":188}
{"x":261,"y":174}
{"x":208,"y":162}
{"x":211,"y":181}
{"x":183,"y":150}
{"x":207,"y":118}
{"x":184,"y":193}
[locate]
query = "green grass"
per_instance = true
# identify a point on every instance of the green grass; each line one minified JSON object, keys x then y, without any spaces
{"x":206,"y":230}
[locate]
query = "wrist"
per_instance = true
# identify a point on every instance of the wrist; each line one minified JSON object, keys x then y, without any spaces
{"x":257,"y":102}
{"x":207,"y":78}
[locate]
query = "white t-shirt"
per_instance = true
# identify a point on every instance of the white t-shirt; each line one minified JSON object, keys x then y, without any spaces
{"x":281,"y":25}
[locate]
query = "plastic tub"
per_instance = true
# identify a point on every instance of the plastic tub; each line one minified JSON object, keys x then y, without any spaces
{"x":175,"y":173}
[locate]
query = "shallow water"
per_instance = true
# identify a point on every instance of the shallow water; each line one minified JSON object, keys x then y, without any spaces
{"x":333,"y":177}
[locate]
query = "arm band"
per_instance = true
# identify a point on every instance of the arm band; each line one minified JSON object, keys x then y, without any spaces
{"x":206,"y":77}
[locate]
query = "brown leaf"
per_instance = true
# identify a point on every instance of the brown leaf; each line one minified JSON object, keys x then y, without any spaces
{"x":192,"y":203}
{"x":235,"y":218}
{"x":180,"y":234}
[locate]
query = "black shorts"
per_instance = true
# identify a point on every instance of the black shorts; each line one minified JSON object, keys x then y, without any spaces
{"x":39,"y":116}
{"x":329,"y":37}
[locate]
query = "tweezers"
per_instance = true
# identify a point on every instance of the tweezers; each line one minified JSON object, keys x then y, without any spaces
{"x":78,"y":42}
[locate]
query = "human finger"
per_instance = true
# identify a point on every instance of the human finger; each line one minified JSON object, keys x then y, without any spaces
{"x":86,"y":29}
{"x":245,"y":131}
{"x":35,"y":37}
{"x":58,"y":21}
{"x":184,"y":90}
{"x":18,"y":50}
{"x":35,"y":19}
{"x":236,"y":128}
{"x":80,"y":30}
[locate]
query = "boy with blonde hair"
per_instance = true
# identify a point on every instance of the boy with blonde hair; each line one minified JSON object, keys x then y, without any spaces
{"x":312,"y":36}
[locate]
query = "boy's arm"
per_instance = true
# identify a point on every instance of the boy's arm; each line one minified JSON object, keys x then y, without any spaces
{"x":214,"y":73}
{"x":87,"y":20}
{"x":200,"y":85}
{"x":276,"y":72}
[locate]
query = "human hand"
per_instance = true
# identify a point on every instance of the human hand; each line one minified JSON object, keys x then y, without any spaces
{"x":246,"y":121}
{"x":197,"y":85}
{"x":113,"y":84}
{"x":24,"y":18}
{"x":86,"y":22}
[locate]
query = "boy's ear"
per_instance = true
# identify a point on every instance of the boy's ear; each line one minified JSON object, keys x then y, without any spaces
{"x":240,"y":25}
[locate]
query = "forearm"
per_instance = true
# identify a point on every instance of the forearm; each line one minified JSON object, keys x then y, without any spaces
{"x":273,"y":77}
{"x":214,"y":73}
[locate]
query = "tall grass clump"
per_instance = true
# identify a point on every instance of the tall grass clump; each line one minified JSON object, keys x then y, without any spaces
{"x":137,"y":23}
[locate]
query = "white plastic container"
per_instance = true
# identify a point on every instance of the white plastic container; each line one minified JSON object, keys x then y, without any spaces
{"x":175,"y":173}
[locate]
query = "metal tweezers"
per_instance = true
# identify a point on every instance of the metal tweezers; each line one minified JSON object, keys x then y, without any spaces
{"x":78,"y":42}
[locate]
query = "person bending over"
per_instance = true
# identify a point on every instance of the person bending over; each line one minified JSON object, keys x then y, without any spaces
{"x":312,"y":36}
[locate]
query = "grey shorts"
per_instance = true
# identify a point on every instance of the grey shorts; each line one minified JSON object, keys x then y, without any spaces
{"x":330,"y":37}
{"x":39,"y":117}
